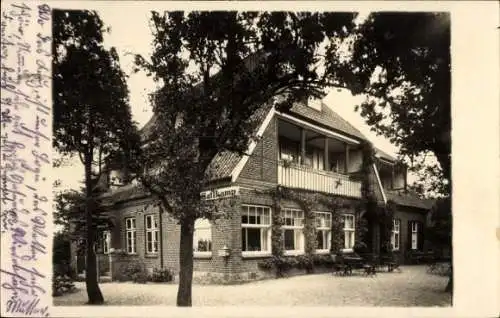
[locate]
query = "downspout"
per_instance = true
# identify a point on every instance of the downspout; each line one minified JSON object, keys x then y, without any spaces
{"x":160,"y":220}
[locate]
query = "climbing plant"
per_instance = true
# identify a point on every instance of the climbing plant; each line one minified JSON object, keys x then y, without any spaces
{"x":386,"y":216}
{"x":308,"y":202}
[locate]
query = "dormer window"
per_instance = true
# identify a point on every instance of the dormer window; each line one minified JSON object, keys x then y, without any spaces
{"x":314,"y":103}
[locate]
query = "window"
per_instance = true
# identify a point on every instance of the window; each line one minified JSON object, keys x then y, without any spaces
{"x":323,"y":231}
{"x":255,"y":229}
{"x":349,"y":230}
{"x":396,"y":226}
{"x":202,"y":237}
{"x":293,"y":225}
{"x":151,"y":234}
{"x":130,"y":235}
{"x":106,"y":240}
{"x":414,"y":235}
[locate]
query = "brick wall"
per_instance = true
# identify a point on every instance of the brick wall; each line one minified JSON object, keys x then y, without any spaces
{"x":262,"y":163}
{"x":406,"y":214}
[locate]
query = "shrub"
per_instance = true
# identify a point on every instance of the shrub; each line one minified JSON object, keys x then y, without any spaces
{"x":62,"y":284}
{"x":305,"y":262}
{"x":161,"y":275}
{"x":279,"y":263}
{"x":322,"y":260}
{"x":360,"y":248}
{"x":134,"y":271}
{"x":267,"y":264}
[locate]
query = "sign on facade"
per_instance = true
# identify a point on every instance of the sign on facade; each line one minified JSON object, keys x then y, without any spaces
{"x":220,"y":193}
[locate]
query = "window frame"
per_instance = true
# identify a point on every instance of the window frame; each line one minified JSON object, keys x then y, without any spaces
{"x":396,"y":231}
{"x":154,"y":234}
{"x":195,"y":244}
{"x":326,"y":228}
{"x":300,"y":228}
{"x":414,"y":234}
{"x":350,"y":230}
{"x":132,"y":230}
{"x":262,"y":227}
{"x":106,"y":241}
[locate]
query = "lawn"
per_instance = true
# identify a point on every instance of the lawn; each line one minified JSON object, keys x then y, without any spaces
{"x":412,"y":287}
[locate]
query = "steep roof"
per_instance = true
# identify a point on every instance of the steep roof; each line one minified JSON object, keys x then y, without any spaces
{"x":384,"y":155}
{"x":410,"y":200}
{"x":125,"y":193}
{"x":326,"y":118}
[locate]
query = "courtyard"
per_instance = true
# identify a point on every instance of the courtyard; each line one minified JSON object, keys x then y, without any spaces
{"x":413,"y":286}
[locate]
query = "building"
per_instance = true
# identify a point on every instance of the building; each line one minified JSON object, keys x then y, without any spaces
{"x":309,"y":149}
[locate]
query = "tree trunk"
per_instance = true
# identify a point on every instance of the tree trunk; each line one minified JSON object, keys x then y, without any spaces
{"x":186,"y":264}
{"x":93,"y":291}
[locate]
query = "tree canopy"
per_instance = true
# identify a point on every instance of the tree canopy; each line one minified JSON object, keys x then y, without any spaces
{"x":92,"y":117}
{"x":216,"y":70}
{"x":401,"y":62}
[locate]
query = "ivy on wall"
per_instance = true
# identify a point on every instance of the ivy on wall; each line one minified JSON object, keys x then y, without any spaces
{"x":385,"y":217}
{"x":369,"y":202}
{"x":307,"y":202}
{"x":367,"y":214}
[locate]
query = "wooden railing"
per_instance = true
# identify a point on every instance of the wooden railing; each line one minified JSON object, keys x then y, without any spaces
{"x":302,"y":177}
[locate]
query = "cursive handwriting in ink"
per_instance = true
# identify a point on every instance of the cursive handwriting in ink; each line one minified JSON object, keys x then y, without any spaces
{"x":25,"y":143}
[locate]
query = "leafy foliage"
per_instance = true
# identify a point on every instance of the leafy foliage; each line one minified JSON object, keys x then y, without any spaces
{"x":134,"y":271}
{"x":62,"y":284}
{"x":161,"y":275}
{"x":401,"y":61}
{"x":92,"y":117}
{"x":216,"y":70}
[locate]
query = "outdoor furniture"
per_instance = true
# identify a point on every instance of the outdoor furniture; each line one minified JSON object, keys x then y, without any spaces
{"x":370,"y":262}
{"x":353,"y":261}
{"x":339,"y":266}
{"x":391,"y":262}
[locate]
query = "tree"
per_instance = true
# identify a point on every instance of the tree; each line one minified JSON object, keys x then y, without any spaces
{"x":92,"y":117}
{"x":401,"y":62}
{"x":217,"y":70}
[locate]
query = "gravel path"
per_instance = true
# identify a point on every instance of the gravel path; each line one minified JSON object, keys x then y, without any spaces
{"x":412,"y":287}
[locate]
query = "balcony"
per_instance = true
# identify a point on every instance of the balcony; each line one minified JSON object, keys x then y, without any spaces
{"x":301,"y":177}
{"x":311,"y":160}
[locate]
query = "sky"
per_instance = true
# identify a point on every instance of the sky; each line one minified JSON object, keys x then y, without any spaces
{"x":137,"y":38}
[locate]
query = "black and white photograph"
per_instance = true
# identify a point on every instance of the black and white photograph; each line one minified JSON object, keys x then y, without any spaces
{"x":250,"y":157}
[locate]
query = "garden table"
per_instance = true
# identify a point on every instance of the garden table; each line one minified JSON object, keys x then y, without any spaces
{"x":353,"y":262}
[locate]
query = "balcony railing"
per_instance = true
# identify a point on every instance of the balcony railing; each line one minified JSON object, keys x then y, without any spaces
{"x":302,"y":177}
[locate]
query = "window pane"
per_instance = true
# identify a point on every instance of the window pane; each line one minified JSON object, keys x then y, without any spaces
{"x":289,"y":240}
{"x":298,"y":239}
{"x":253,"y":236}
{"x":264,"y":240}
{"x":349,"y":239}
{"x":133,"y":223}
{"x":320,"y":240}
{"x":244,"y":219}
{"x":265,"y":218}
{"x":252,"y":219}
{"x":148,"y":222}
{"x":244,"y":240}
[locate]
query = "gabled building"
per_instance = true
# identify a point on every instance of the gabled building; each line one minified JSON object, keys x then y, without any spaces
{"x":309,"y":149}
